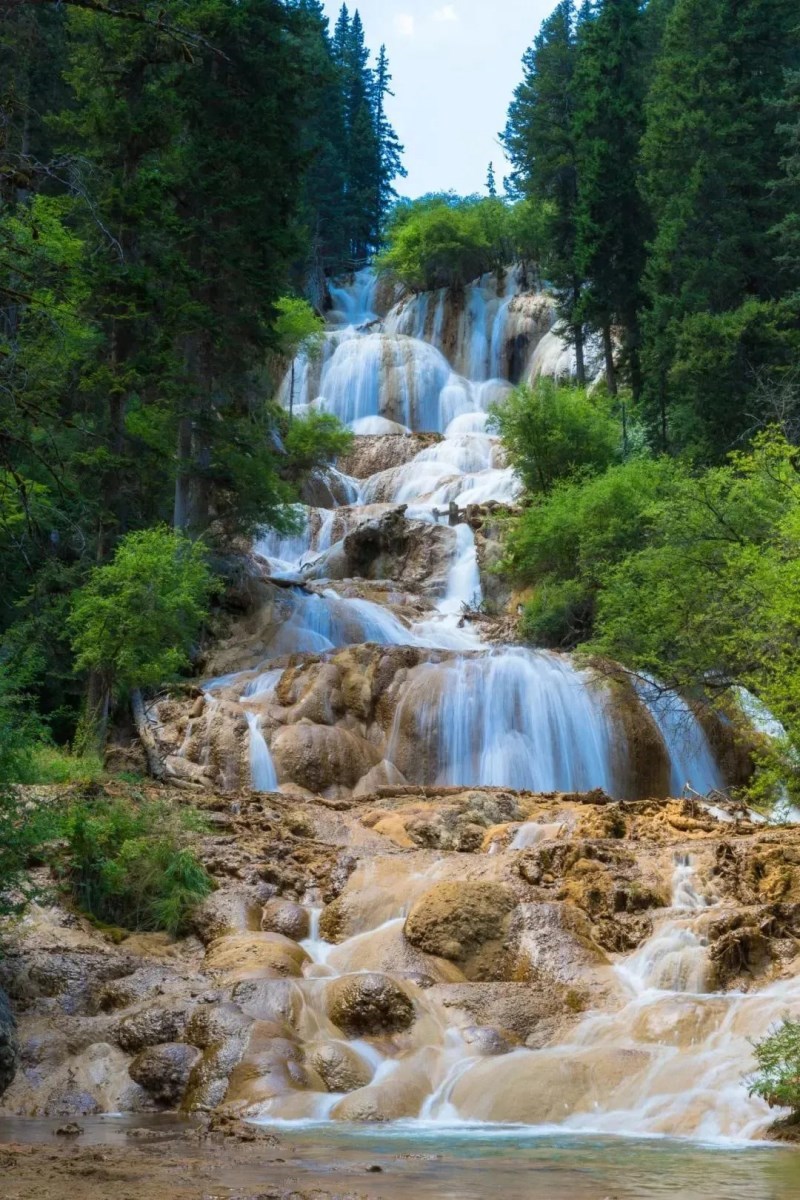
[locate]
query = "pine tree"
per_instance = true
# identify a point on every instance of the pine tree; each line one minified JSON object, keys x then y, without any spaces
{"x":611,"y":219}
{"x":390,"y":151}
{"x":325,"y":141}
{"x":539,"y":139}
{"x":362,"y":160}
{"x":787,"y":230}
{"x":710,"y":152}
{"x":491,"y":181}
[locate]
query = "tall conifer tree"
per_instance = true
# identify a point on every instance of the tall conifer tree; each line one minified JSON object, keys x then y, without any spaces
{"x":611,"y":219}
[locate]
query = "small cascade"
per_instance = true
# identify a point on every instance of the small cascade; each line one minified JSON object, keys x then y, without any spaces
{"x":512,"y":718}
{"x":262,"y":768}
{"x":675,"y":959}
{"x":690,"y":754}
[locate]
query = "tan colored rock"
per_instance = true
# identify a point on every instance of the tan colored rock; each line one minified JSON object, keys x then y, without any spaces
{"x":225,"y":912}
{"x":319,"y":757}
{"x":222,"y":1032}
{"x":150,"y":1027}
{"x":255,"y":956}
{"x":390,"y":1101}
{"x":370,"y":455}
{"x":368,"y":1004}
{"x":340,"y":1068}
{"x":457,"y":920}
{"x":287,"y":918}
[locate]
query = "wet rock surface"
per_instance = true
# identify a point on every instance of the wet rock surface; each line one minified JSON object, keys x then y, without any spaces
{"x":497,"y":918}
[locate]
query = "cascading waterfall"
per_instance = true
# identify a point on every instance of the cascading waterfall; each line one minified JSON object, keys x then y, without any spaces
{"x":513,"y":717}
{"x":666,"y":1058}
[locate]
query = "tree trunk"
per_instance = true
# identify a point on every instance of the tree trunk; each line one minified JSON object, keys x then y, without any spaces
{"x":608,"y":351}
{"x":98,"y":706}
{"x":155,"y":763}
{"x":580,"y":360}
{"x":183,"y":476}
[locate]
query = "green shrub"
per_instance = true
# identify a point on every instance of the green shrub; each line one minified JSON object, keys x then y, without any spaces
{"x":24,"y":827}
{"x":132,"y":865}
{"x":135,"y":620}
{"x":54,"y":764}
{"x":444,"y":240}
{"x":567,"y":540}
{"x":553,"y":431}
{"x":777,"y":1078}
{"x":559,"y":613}
{"x":314,"y":440}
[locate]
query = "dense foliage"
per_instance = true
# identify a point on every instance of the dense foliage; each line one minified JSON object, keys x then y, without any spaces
{"x":165,"y":199}
{"x":777,"y":1077}
{"x":132,"y":864}
{"x":663,"y":137}
{"x":444,"y":240}
{"x":553,"y":431}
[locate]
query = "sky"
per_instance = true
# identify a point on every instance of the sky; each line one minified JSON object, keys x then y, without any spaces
{"x":455,"y":66}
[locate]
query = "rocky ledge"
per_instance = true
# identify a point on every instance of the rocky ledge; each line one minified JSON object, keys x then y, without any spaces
{"x":496,"y":913}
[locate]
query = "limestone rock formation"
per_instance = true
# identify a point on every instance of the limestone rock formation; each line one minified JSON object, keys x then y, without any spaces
{"x":465,"y":922}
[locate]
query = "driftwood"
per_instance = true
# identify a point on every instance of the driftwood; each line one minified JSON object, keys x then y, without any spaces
{"x":155,"y":762}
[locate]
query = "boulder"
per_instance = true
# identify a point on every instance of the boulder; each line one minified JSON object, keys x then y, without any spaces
{"x":463,"y":922}
{"x":222,"y":1032}
{"x":287,"y":918}
{"x":151,"y":1027}
{"x":224,"y":913}
{"x":361,"y":1005}
{"x":8,"y":1043}
{"x":164,"y":1071}
{"x":339,"y":1067}
{"x":318,"y":757}
{"x":487,"y":1041}
{"x":255,"y":956}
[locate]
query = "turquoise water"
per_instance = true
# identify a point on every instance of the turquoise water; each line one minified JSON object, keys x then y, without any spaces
{"x":514,"y":1164}
{"x":415,"y":1162}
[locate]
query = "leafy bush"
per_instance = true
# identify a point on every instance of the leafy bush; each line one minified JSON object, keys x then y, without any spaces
{"x":565,"y":542}
{"x":444,"y":240}
{"x":553,"y":431}
{"x":132,"y":865}
{"x":55,"y":764}
{"x":777,"y":1078}
{"x":314,"y":440}
{"x":135,"y":620}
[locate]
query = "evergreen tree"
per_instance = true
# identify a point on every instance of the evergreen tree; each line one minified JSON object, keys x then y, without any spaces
{"x":710,"y":150}
{"x":363,"y":155}
{"x":611,"y":220}
{"x":787,"y":230}
{"x":390,"y":151}
{"x":491,"y":181}
{"x":326,"y":147}
{"x":539,"y":139}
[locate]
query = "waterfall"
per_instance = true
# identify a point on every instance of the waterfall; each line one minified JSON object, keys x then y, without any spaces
{"x":509,"y":719}
{"x":262,"y":768}
{"x":692,"y":761}
{"x":476,"y":715}
{"x":431,"y":703}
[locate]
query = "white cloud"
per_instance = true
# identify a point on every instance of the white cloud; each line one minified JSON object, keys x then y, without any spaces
{"x":404,"y":24}
{"x":447,"y":13}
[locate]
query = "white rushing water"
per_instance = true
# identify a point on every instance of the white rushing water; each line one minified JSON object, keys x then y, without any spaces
{"x":666,"y":1058}
{"x":511,"y":717}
